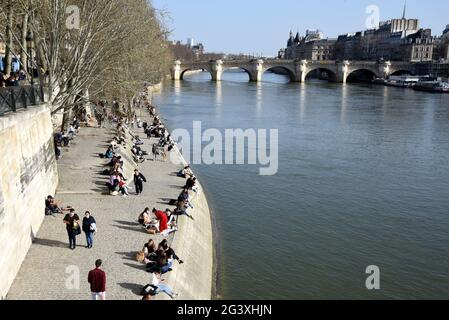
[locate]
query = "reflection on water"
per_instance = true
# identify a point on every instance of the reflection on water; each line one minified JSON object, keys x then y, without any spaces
{"x":218,"y":95}
{"x":344,"y":101}
{"x":363,"y":180}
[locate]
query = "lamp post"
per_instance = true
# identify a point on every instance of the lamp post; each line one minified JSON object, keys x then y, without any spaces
{"x":30,"y":45}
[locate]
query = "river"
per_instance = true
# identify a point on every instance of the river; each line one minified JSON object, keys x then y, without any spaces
{"x":363,"y":180}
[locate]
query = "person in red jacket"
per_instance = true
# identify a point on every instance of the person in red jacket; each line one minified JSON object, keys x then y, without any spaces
{"x":161,"y":216}
{"x":97,"y":280}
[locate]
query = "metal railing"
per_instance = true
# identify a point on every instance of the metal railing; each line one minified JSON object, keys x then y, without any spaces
{"x":20,"y":97}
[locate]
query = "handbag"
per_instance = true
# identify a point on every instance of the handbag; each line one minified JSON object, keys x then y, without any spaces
{"x":77,"y":229}
{"x":140,"y":256}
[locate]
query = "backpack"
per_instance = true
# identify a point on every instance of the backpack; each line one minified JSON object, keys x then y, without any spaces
{"x":148,"y":289}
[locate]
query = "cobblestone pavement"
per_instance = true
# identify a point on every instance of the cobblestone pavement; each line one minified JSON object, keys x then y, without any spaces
{"x":52,"y":271}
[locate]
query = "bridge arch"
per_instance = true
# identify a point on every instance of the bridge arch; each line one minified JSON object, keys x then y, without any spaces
{"x":362,"y":74}
{"x":184,"y":71}
{"x":283,"y":70}
{"x":331,"y":74}
{"x":240,"y":68}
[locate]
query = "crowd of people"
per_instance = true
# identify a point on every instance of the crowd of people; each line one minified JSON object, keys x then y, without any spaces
{"x":157,"y":259}
{"x":64,"y":137}
{"x":13,"y":79}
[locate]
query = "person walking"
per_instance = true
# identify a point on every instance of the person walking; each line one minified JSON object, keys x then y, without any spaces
{"x":139,"y":179}
{"x":73,"y":228}
{"x":97,"y":280}
{"x":89,"y":228}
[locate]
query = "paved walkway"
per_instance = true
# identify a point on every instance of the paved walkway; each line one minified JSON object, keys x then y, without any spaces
{"x":50,"y":268}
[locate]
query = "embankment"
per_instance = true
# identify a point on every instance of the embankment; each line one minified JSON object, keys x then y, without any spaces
{"x":28,"y":173}
{"x":193,"y":242}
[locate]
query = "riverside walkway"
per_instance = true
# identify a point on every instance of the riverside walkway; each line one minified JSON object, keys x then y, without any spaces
{"x":50,"y":270}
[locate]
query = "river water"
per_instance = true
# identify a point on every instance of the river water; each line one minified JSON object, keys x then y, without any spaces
{"x":363,"y":180}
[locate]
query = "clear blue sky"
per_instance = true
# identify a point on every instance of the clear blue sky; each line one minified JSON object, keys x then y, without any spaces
{"x":262,"y":26}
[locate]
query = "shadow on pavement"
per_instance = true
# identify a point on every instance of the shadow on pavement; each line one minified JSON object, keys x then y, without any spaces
{"x":50,"y":243}
{"x":135,"y":288}
{"x":127,"y":223}
{"x":132,"y":229}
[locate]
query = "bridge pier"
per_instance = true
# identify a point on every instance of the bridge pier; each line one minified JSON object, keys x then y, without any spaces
{"x":216,"y":67}
{"x":256,"y":73}
{"x":342,"y":71}
{"x":176,"y":70}
{"x":384,"y":69}
{"x":301,"y":71}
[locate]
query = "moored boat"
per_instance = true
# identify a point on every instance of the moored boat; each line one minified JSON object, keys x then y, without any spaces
{"x":432,"y":86}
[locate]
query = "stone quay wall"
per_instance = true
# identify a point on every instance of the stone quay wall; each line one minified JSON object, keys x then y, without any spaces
{"x":28,"y":173}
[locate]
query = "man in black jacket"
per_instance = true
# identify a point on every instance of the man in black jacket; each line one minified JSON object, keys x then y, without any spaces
{"x":138,"y":181}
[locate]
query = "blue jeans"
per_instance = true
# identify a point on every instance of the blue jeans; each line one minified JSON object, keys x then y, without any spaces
{"x":164,"y":288}
{"x":90,"y":238}
{"x":165,"y":268}
{"x":72,"y":238}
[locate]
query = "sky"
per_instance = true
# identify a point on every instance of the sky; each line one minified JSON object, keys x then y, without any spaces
{"x":261,"y":27}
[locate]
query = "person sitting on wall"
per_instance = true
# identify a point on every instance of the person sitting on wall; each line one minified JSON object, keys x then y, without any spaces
{"x":123,"y":186}
{"x":113,"y":184}
{"x":109,"y":154}
{"x":52,"y":206}
{"x":186,"y":172}
{"x":170,"y":253}
{"x":190,"y":183}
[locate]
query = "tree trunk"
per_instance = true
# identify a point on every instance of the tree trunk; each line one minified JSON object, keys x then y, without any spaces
{"x":9,"y":48}
{"x":23,"y":56}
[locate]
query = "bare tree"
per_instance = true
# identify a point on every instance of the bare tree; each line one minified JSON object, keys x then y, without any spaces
{"x":9,"y":36}
{"x":109,"y":50}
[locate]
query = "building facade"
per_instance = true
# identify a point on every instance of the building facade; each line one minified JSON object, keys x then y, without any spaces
{"x":444,"y":45}
{"x":312,"y":47}
{"x":394,"y":40}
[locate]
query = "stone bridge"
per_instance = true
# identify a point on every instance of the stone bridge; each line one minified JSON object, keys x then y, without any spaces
{"x":337,"y":71}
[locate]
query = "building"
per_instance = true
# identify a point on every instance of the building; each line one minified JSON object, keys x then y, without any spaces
{"x":395,"y":40}
{"x":311,"y":47}
{"x":187,"y":52}
{"x":198,"y":50}
{"x":418,"y":47}
{"x":383,"y":42}
{"x":444,"y":45}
